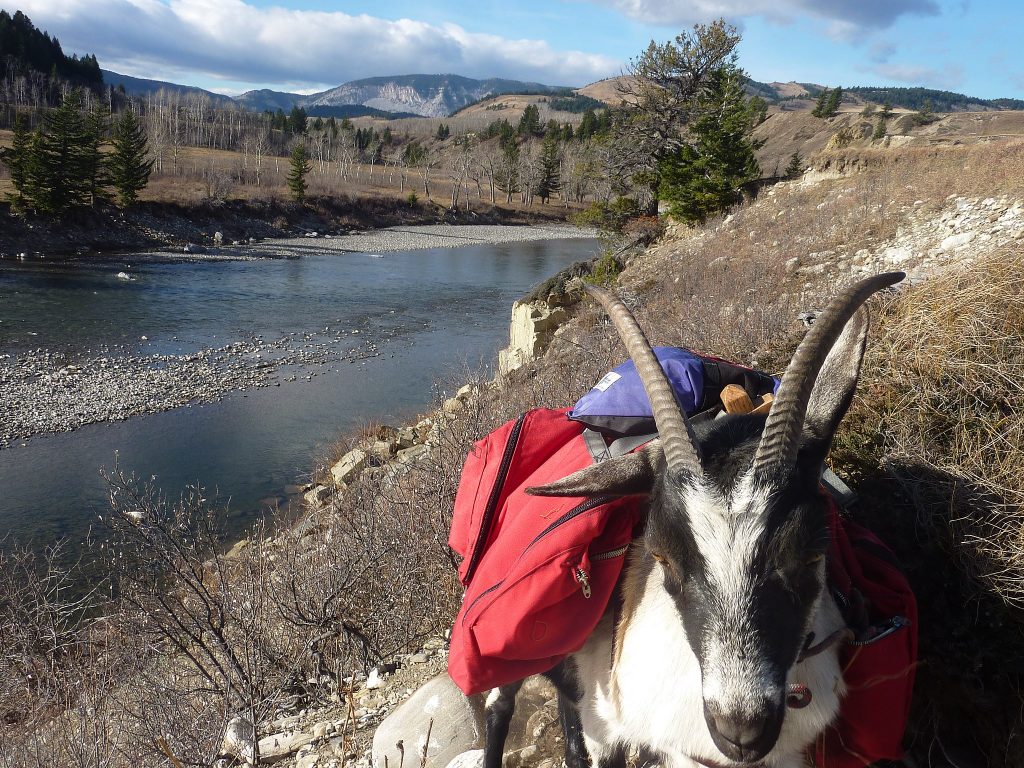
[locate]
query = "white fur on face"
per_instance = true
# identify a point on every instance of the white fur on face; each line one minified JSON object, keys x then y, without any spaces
{"x":727,"y":532}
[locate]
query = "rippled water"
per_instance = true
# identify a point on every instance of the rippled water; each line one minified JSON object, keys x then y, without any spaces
{"x":429,"y":311}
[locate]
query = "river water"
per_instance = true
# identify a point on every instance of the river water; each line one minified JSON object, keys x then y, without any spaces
{"x":426,"y":313}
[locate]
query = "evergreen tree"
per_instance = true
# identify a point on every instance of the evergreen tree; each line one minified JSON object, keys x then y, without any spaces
{"x":94,"y":170}
{"x":588,"y":125}
{"x":529,"y":123}
{"x":65,"y":158}
{"x":795,"y":167}
{"x":128,"y":166}
{"x":880,"y":128}
{"x":835,"y":98}
{"x":443,"y":132}
{"x":819,"y":108}
{"x":548,"y":181}
{"x":705,"y":175}
{"x":300,"y":166}
{"x":297,"y":121}
{"x":16,"y":158}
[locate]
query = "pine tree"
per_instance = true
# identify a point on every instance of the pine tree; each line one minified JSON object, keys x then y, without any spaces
{"x":795,"y":167}
{"x":128,"y":166}
{"x":507,"y":178}
{"x":65,"y":158}
{"x":16,"y":158}
{"x":705,"y":175}
{"x":300,"y":166}
{"x":94,"y":164}
{"x":548,"y":181}
{"x":529,"y":123}
{"x":835,"y":98}
{"x":819,"y":108}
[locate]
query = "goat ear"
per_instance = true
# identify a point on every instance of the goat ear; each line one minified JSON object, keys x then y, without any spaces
{"x":834,"y":388}
{"x":626,"y":475}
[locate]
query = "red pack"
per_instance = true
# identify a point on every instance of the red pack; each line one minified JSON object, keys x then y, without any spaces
{"x":540,"y":571}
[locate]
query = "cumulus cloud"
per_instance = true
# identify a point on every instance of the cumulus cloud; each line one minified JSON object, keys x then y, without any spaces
{"x":845,"y":14}
{"x":236,"y":42}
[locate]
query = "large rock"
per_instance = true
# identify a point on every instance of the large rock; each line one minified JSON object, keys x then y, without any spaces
{"x":351,"y":464}
{"x":530,"y":332}
{"x":458,"y":726}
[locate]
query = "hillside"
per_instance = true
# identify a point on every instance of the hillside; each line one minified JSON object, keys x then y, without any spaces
{"x":137,"y":86}
{"x":23,"y":48}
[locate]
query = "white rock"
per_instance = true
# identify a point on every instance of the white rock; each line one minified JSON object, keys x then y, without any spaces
{"x":474,"y":758}
{"x":349,"y":467}
{"x":458,"y":726}
{"x":239,"y":739}
{"x":532,"y":327}
{"x":373,"y":680}
{"x":956,"y":241}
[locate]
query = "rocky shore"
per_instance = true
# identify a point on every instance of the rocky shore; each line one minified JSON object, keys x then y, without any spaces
{"x":45,"y":391}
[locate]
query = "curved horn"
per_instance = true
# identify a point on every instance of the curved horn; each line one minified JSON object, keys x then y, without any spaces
{"x":781,"y":437}
{"x":676,"y":433}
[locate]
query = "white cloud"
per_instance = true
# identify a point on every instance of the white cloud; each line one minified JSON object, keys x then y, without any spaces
{"x":235,"y":42}
{"x":847,"y":14}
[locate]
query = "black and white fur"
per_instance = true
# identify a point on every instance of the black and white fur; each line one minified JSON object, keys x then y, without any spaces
{"x":724,"y":590}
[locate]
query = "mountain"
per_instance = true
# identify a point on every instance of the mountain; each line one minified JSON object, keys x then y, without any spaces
{"x":137,"y":86}
{"x":266,"y":99}
{"x":426,"y":95}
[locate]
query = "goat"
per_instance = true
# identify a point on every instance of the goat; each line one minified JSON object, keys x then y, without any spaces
{"x":723,"y":595}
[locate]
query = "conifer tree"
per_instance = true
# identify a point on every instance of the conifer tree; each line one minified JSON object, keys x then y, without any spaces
{"x":705,"y":175}
{"x":795,"y":167}
{"x":548,"y":181}
{"x":63,"y":159}
{"x":94,"y":164}
{"x":129,"y":165}
{"x":300,"y":166}
{"x":835,"y":98}
{"x":16,"y":158}
{"x":819,"y":108}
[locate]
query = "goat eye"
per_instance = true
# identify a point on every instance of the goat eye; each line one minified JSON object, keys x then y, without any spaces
{"x":660,"y":558}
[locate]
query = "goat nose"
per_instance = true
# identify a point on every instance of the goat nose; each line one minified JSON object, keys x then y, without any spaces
{"x":742,"y":734}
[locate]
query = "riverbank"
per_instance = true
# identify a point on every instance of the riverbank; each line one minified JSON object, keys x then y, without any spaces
{"x":106,"y":229}
{"x":49,"y":385}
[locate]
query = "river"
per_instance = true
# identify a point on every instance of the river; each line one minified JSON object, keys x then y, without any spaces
{"x":415,"y":317}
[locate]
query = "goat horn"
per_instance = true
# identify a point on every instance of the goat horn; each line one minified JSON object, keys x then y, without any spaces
{"x":676,"y":433}
{"x":781,"y":437}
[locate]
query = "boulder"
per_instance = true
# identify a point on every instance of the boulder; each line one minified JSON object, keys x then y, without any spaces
{"x":349,"y":467}
{"x":406,"y":437}
{"x":239,"y":739}
{"x":530,"y":332}
{"x":472,"y":759}
{"x":279,"y":746}
{"x":458,"y":726}
{"x":317,"y":495}
{"x":218,"y":238}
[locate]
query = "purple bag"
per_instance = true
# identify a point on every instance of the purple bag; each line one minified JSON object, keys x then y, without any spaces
{"x":618,"y":406}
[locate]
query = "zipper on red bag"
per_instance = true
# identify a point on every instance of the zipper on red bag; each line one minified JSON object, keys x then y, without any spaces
{"x":492,"y":501}
{"x":583,"y":578}
{"x":579,"y":509}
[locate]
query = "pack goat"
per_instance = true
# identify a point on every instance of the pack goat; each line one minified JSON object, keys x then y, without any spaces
{"x":724,"y":595}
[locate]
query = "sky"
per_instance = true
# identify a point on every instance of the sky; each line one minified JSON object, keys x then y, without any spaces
{"x":230,"y":46}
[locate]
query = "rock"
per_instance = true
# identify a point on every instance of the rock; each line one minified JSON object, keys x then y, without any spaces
{"x":406,"y":437}
{"x":530,"y":332}
{"x":452,"y":405}
{"x":383,"y":449}
{"x":409,"y":455}
{"x":317,"y":495}
{"x":474,"y":758}
{"x":239,"y":739}
{"x":322,"y":730}
{"x":351,"y":464}
{"x":458,"y":726}
{"x":424,"y":430}
{"x":308,"y":761}
{"x":956,"y":241}
{"x":275,"y":748}
{"x":466,"y":393}
{"x":236,"y":551}
{"x":218,"y":238}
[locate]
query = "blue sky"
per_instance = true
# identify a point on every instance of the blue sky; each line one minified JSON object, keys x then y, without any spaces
{"x":230,"y":46}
